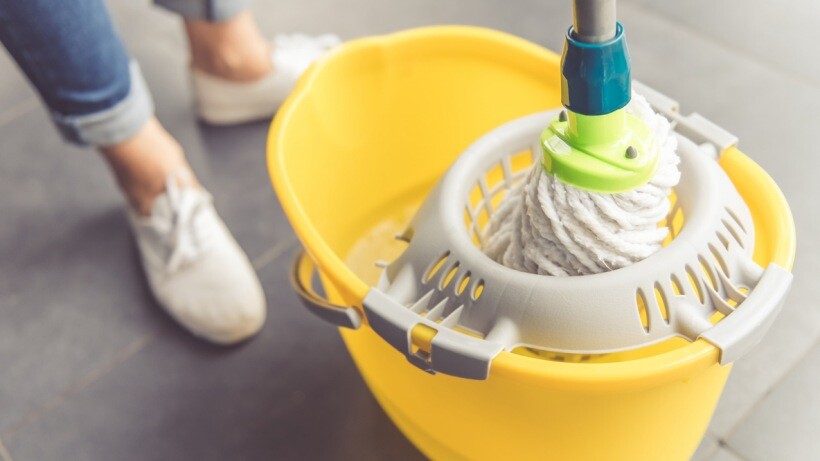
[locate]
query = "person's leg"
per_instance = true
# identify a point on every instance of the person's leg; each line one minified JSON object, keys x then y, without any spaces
{"x":96,"y":95}
{"x":238,"y":74}
{"x":233,"y":49}
{"x":142,"y":163}
{"x":88,"y":88}
{"x":223,"y":38}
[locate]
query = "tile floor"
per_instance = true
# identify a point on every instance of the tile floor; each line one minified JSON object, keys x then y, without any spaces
{"x":91,"y":369}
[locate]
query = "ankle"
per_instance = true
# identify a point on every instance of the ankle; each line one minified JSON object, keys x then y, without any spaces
{"x":233,"y":65}
{"x":143,"y":163}
{"x":233,"y":50}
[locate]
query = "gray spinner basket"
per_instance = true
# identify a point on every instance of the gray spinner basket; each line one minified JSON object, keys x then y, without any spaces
{"x":478,"y":307}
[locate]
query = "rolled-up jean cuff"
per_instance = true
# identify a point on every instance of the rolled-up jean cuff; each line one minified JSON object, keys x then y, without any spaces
{"x":205,"y":10}
{"x":115,"y":124}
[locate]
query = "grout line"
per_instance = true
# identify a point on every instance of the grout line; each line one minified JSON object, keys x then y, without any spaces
{"x":4,"y":453}
{"x":78,"y":386}
{"x":724,"y":440}
{"x":725,"y":446}
{"x":732,"y":49}
{"x":276,"y":250}
{"x":18,"y":110}
{"x":261,"y":261}
{"x":713,"y":449}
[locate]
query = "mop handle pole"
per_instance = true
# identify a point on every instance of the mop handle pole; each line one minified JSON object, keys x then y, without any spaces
{"x":593,"y":21}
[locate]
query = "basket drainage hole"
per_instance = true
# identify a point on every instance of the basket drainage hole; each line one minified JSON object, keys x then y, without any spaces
{"x":640,"y":302}
{"x":433,"y":270}
{"x":660,"y":298}
{"x":478,"y":290}
{"x":693,"y":281}
{"x":462,"y":285}
{"x":449,"y":277}
{"x":676,"y":286}
{"x":707,"y":272}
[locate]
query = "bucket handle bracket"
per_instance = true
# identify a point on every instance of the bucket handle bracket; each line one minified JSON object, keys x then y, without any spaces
{"x":301,"y":277}
{"x":451,"y":353}
{"x":741,"y":330}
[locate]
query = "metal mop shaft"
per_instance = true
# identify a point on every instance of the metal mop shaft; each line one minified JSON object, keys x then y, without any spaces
{"x":593,"y":21}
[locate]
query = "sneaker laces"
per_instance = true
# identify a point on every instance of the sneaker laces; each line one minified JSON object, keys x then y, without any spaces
{"x":183,"y":226}
{"x":293,"y":53}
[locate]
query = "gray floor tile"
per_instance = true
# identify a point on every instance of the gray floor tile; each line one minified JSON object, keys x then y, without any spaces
{"x":239,"y":178}
{"x":707,"y":447}
{"x":784,"y":425}
{"x":71,"y":292}
{"x":542,"y":22}
{"x":16,"y":96}
{"x":291,"y":393}
{"x":757,"y":373}
{"x":4,"y":453}
{"x":780,"y":35}
{"x":61,"y":210}
{"x":725,"y":454}
{"x":718,"y":84}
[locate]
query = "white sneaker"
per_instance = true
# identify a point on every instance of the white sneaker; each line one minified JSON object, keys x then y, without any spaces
{"x":224,"y":102}
{"x":195,"y":268}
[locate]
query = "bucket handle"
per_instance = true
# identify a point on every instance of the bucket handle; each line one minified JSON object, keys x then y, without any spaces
{"x":301,"y":278}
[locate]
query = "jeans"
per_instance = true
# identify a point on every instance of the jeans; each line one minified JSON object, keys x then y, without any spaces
{"x":74,"y":58}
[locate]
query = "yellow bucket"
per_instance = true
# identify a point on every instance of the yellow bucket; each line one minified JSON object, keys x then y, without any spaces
{"x":366,"y":133}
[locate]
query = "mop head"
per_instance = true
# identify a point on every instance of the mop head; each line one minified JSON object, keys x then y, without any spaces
{"x":544,"y":226}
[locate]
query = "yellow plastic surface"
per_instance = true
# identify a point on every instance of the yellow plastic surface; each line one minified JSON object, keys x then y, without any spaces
{"x":367,"y":132}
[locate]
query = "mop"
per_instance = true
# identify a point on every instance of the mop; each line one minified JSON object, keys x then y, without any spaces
{"x":575,"y":220}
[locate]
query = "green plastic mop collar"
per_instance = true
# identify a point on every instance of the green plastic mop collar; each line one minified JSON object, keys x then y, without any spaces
{"x":609,"y":153}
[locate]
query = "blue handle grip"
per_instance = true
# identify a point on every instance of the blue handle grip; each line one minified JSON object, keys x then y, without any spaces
{"x":595,"y":76}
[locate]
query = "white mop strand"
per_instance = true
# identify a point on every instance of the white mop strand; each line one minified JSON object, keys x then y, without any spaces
{"x":544,"y":226}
